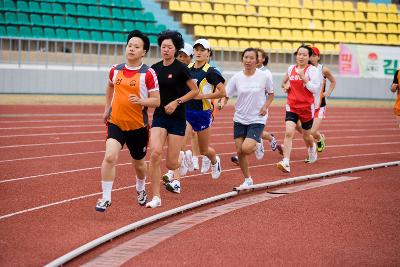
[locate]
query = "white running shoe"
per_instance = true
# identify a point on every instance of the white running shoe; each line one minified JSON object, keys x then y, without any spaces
{"x":168,"y":177}
{"x":283,"y":166}
{"x":247,"y":182}
{"x":195,"y":163}
{"x":182,"y":169}
{"x":216,"y":168}
{"x":273,"y":144}
{"x":174,"y":186}
{"x":312,"y":154}
{"x":141,"y":197}
{"x":154,"y":203}
{"x":205,"y":164}
{"x":102,"y":204}
{"x":189,"y":160}
{"x":259,"y":150}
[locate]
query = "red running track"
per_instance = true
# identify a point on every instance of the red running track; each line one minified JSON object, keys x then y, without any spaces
{"x":49,"y":183}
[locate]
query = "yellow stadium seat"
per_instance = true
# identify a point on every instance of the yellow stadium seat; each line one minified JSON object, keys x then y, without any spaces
{"x":348,"y":6}
{"x":255,"y":2}
{"x":328,"y":14}
{"x":284,"y":3}
{"x":382,"y":8}
{"x":276,"y":46}
{"x":320,"y":46}
{"x":241,"y":20}
{"x":252,"y":21}
{"x":184,"y":6}
{"x":221,"y":31}
{"x":392,"y":28}
{"x":296,"y":23}
{"x":328,"y":25}
{"x":199,"y":30}
{"x":350,"y":37}
{"x":318,"y":36}
{"x":372,"y":7}
{"x":392,"y":39}
{"x":223,"y":43}
{"x":285,"y":23}
{"x":370,"y":27}
{"x":230,"y":9}
{"x":308,"y":36}
{"x":206,"y":8}
{"x":187,"y":18}
{"x":317,"y":4}
{"x":210,"y":20}
{"x":295,"y":13}
{"x":319,"y":14}
{"x":274,"y":23}
{"x":338,"y":5}
{"x":243,"y":32}
{"x":328,"y":5}
{"x":251,"y":10}
{"x":263,"y":11}
{"x":213,"y":42}
{"x":307,"y":24}
{"x":361,"y":38}
{"x":231,"y":20}
{"x":328,"y":36}
{"x":382,"y":17}
{"x":360,"y":16}
{"x":381,"y":39}
{"x":360,"y":26}
{"x":296,"y":45}
{"x":255,"y":44}
{"x":372,"y":17}
{"x":274,"y":11}
{"x":275,"y":34}
{"x":262,"y":21}
{"x":254,"y":33}
{"x":210,"y":31}
{"x":371,"y":37}
{"x":339,"y":15}
{"x":234,"y":45}
{"x":297,"y":35}
{"x":349,"y":16}
{"x":265,"y":45}
{"x":219,"y":8}
{"x":392,"y":18}
{"x":317,"y":24}
{"x":392,"y":8}
{"x":264,"y":33}
{"x":340,"y":37}
{"x":231,"y":32}
{"x":306,"y":13}
{"x":240,"y":10}
{"x":381,"y":27}
{"x":294,"y":3}
{"x":330,"y":48}
{"x":195,"y":6}
{"x":198,"y":19}
{"x":287,"y":47}
{"x":362,"y":6}
{"x":218,"y":19}
{"x":174,"y":6}
{"x":308,"y":4}
{"x":284,"y":12}
{"x":349,"y":26}
{"x":286,"y":34}
{"x":243,"y":44}
{"x":339,"y":25}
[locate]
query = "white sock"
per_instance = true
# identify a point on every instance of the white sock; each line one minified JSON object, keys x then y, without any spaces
{"x":171,"y":173}
{"x":248,"y":178}
{"x":195,"y":160}
{"x":286,"y":161}
{"x":311,"y":149}
{"x":107,"y":187}
{"x":140,"y":184}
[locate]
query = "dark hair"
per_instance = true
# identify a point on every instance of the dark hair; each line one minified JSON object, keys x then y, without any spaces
{"x":139,"y":34}
{"x":176,"y":38}
{"x":249,"y":50}
{"x":265,"y":56}
{"x":310,"y":51}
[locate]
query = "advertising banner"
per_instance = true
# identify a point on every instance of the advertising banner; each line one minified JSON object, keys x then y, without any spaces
{"x":369,"y":60}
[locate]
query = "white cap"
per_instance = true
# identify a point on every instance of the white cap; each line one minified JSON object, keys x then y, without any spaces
{"x":187,"y":49}
{"x":203,"y":42}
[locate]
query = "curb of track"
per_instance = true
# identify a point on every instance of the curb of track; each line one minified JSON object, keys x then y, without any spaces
{"x":236,"y":190}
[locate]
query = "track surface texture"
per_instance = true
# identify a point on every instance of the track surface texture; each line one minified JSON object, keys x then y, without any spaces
{"x":50,"y":157}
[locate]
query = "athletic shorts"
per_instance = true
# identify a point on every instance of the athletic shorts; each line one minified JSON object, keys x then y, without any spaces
{"x":320,"y":113}
{"x":252,"y":131}
{"x":172,"y":125}
{"x":291,"y":116}
{"x":199,"y":119}
{"x":136,"y":140}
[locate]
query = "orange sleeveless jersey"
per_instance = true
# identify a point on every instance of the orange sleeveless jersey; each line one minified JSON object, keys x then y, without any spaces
{"x":139,"y":81}
{"x":397,"y":103}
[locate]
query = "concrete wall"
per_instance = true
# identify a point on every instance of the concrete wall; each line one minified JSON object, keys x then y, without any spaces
{"x":61,"y":80}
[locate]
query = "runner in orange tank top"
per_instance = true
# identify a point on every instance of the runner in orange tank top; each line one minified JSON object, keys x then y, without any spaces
{"x":395,"y":88}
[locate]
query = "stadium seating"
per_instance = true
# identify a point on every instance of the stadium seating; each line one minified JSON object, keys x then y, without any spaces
{"x":89,"y":20}
{"x":281,"y":24}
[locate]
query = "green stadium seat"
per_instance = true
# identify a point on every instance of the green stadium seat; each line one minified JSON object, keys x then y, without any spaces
{"x":161,"y":27}
{"x":93,"y":11}
{"x":72,"y":34}
{"x":84,"y":35}
{"x":10,"y":18}
{"x":104,"y":12}
{"x":12,"y":31}
{"x":49,"y":33}
{"x":59,"y":21}
{"x":2,"y":18}
{"x":83,"y":23}
{"x":61,"y":34}
{"x":108,"y":37}
{"x":36,"y":20}
{"x":148,"y":16}
{"x":57,"y":8}
{"x":70,"y":22}
{"x":33,"y":5}
{"x":81,"y":10}
{"x":153,"y":39}
{"x":70,"y":9}
{"x":9,"y":5}
{"x":96,"y":36}
{"x":129,"y":26}
{"x":117,"y":25}
{"x":23,"y":6}
{"x":128,"y":14}
{"x":117,"y":13}
{"x":106,"y":2}
{"x":37,"y":32}
{"x":94,"y":24}
{"x":45,"y":7}
{"x":48,"y":20}
{"x":106,"y":24}
{"x":138,"y":15}
{"x":119,"y":37}
{"x":137,"y":4}
{"x":25,"y":32}
{"x":152,"y":28}
{"x":141,"y":26}
{"x":23,"y":19}
{"x":3,"y":31}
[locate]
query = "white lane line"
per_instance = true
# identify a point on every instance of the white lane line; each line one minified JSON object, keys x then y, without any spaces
{"x":184,"y":177}
{"x":128,"y":250}
{"x":54,"y":143}
{"x":216,"y":143}
{"x":226,"y":153}
{"x":53,"y":126}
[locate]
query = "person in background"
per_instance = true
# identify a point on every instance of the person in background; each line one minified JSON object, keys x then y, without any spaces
{"x":251,"y":86}
{"x":132,"y":88}
{"x":169,"y":119}
{"x":395,"y":88}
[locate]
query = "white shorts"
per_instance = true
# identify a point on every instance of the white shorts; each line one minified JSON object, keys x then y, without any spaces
{"x":320,"y":113}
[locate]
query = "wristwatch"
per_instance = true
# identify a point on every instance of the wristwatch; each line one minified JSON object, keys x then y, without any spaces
{"x":179,"y":101}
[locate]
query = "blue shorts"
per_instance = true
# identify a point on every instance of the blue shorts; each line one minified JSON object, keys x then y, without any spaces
{"x":199,"y":119}
{"x":172,"y":125}
{"x":252,"y":131}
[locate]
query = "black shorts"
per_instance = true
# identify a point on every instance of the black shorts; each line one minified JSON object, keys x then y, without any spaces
{"x":172,"y":125}
{"x":291,"y":116}
{"x":252,"y":131}
{"x":136,"y":140}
